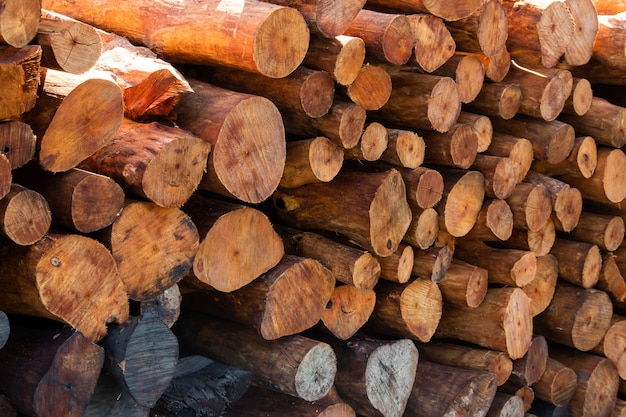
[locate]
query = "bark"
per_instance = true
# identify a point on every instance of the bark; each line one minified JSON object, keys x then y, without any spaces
{"x":20,"y":21}
{"x":19,"y":68}
{"x":580,"y":263}
{"x":500,"y":175}
{"x":604,"y":121}
{"x":481,"y":125}
{"x":604,"y":230}
{"x":434,"y":44}
{"x":348,"y":310}
{"x":579,"y":101}
{"x":497,"y":99}
{"x":557,"y":384}
{"x":25,"y":215}
{"x":341,"y":56}
{"x":464,"y":284}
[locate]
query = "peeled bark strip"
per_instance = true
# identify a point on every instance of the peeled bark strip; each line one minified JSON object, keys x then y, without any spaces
{"x":349,"y":264}
{"x":247,"y":165}
{"x":153,"y":247}
{"x":311,"y":160}
{"x":464,"y":284}
{"x":461,"y":202}
{"x":294,"y":365}
{"x":531,"y":205}
{"x":448,"y":390}
{"x":604,"y":121}
{"x":597,"y":381}
{"x":421,"y":101}
{"x":347,"y":311}
{"x":341,"y":56}
{"x":541,"y":289}
{"x":73,"y":122}
{"x":542,"y":30}
{"x":604,"y":230}
{"x":580,"y":263}
{"x":19,"y":69}
{"x":494,"y":222}
{"x":67,"y":44}
{"x":581,"y":161}
{"x":17,"y":142}
{"x":576,"y":317}
{"x":449,"y":11}
{"x":468,"y":357}
{"x":424,"y":186}
{"x":434,"y":44}
{"x":141,"y":355}
{"x":371,"y":89}
{"x":485,"y":31}
{"x":613,"y":343}
{"x":387,"y":36}
{"x":375,"y":377}
{"x":237,"y":243}
{"x":501,"y":322}
{"x":404,"y":148}
{"x":49,"y":371}
{"x":410,"y":310}
{"x":398,"y":266}
{"x":552,"y":141}
{"x":497,"y":99}
{"x":557,"y":384}
{"x":372,"y":144}
{"x":78,"y":199}
{"x":456,"y":147}
{"x":19,"y":21}
{"x":272,"y":42}
{"x":25,"y":215}
{"x":288,"y":299}
{"x":376,"y":217}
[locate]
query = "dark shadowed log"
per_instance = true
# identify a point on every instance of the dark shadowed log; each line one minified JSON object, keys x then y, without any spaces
{"x":17,"y":142}
{"x":505,"y":405}
{"x":165,"y":306}
{"x":5,"y":328}
{"x":111,"y":399}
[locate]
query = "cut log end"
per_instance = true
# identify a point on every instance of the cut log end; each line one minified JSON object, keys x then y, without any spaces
{"x":555,"y":30}
{"x":592,"y":320}
{"x":317,"y":93}
{"x":500,"y":219}
{"x":444,"y":105}
{"x":27,"y":217}
{"x":614,"y":179}
{"x":88,"y":217}
{"x":452,"y":11}
{"x":568,"y":208}
{"x":371,"y":89}
{"x":517,"y":322}
{"x":434,"y":45}
{"x":463,"y":204}
{"x":349,"y":61}
{"x":421,"y":307}
{"x":366,"y":272}
{"x":316,"y":373}
{"x":19,"y":22}
{"x":348,"y":310}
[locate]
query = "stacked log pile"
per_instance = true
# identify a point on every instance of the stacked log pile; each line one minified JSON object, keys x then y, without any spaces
{"x":321,"y":208}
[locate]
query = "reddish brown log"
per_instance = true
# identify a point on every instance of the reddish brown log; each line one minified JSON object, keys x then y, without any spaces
{"x":604,"y":230}
{"x":25,"y":215}
{"x":398,"y":266}
{"x":541,"y":289}
{"x":423,"y":230}
{"x":557,"y":384}
{"x":531,"y":205}
{"x":497,"y":99}
{"x":372,"y":144}
{"x":341,"y":56}
{"x":579,"y":102}
{"x":455,"y":148}
{"x":371,"y":89}
{"x":581,"y":161}
{"x":464,"y":284}
{"x":500,"y":175}
{"x":424,"y":186}
{"x":539,"y":241}
{"x":311,"y":160}
{"x":481,"y":125}
{"x":467,"y":71}
{"x":576,"y":317}
{"x":528,"y":369}
{"x":518,"y":149}
{"x":404,"y":148}
{"x":497,"y":65}
{"x":347,"y":311}
{"x":613,"y":343}
{"x":17,"y":142}
{"x":494,"y":222}
{"x":432,"y":263}
{"x":461,"y":202}
{"x":484,"y":31}
{"x":434,"y":44}
{"x":604,"y":121}
{"x":580,"y":263}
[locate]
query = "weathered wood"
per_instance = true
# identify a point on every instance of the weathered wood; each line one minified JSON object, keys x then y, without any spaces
{"x":604,"y":121}
{"x":580,"y":263}
{"x":557,"y":384}
{"x":410,"y":310}
{"x":490,"y":324}
{"x":464,"y":284}
{"x":576,"y":317}
{"x":450,"y":11}
{"x":19,"y":69}
{"x":272,"y":42}
{"x":541,"y":289}
{"x":111,"y":399}
{"x":531,"y":205}
{"x":434,"y":44}
{"x":294,"y":364}
{"x":19,"y":22}
{"x":375,"y":376}
{"x":485,"y":30}
{"x":376,"y":217}
{"x":447,"y":390}
{"x":341,"y":56}
{"x":237,"y":243}
{"x":494,"y":222}
{"x":25,"y":215}
{"x":288,"y":299}
{"x":236,"y":168}
{"x":80,"y":200}
{"x":47,"y":279}
{"x":5,"y":328}
{"x":347,"y":311}
{"x":581,"y":161}
{"x":141,"y":355}
{"x":528,"y":369}
{"x":497,"y":99}
{"x":405,"y":148}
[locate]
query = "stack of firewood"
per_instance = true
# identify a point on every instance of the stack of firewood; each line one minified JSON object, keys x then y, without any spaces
{"x":312,"y":208}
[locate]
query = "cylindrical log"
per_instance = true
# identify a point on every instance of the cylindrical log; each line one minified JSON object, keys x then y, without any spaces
{"x":497,"y":99}
{"x":19,"y":22}
{"x":434,"y":44}
{"x":580,"y":47}
{"x":424,"y":186}
{"x":579,"y":101}
{"x":432,"y":263}
{"x":273,"y":41}
{"x":165,"y":306}
{"x":48,"y":370}
{"x":613,"y":343}
{"x":496,"y":66}
{"x":539,"y":241}
{"x":404,"y":148}
{"x":482,"y":125}
{"x":295,"y":365}
{"x":518,"y":149}
{"x":347,"y":311}
{"x":541,"y":289}
{"x":484,"y":31}
{"x":341,"y":56}
{"x":372,"y":144}
{"x":580,"y":263}
{"x":524,"y":392}
{"x":410,"y":310}
{"x":441,"y":390}
{"x":424,"y":228}
{"x":500,"y":175}
{"x":531,"y":205}
{"x":557,"y":384}
{"x":450,"y":11}
{"x":581,"y":161}
{"x":398,"y":266}
{"x":288,"y":299}
{"x":371,"y":89}
{"x":576,"y":317}
{"x":611,"y":278}
{"x":311,"y":160}
{"x":464,"y":284}
{"x":503,"y":322}
{"x":21,"y":78}
{"x":47,"y":279}
{"x":505,"y":405}
{"x":111,"y":399}
{"x":376,"y":217}
{"x":528,"y":369}
{"x":17,"y":142}
{"x":467,"y":71}
{"x":461,"y":201}
{"x":25,"y":215}
{"x":237,"y":243}
{"x":247,"y":165}
{"x":494,"y":223}
{"x":604,"y":121}
{"x":375,"y":377}
{"x":604,"y":230}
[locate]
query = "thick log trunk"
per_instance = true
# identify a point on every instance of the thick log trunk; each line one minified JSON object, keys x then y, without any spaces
{"x":341,"y":56}
{"x":288,"y":299}
{"x":272,"y":42}
{"x":19,"y":69}
{"x":47,"y":279}
{"x":25,"y":215}
{"x":612,"y":344}
{"x":348,"y":310}
{"x":464,"y":284}
{"x":19,"y":21}
{"x":434,"y":44}
{"x":557,"y":384}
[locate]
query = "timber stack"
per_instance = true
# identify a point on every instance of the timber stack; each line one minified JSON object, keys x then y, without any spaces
{"x":321,"y":208}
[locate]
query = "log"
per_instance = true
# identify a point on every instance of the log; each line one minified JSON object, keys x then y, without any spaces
{"x":273,"y":42}
{"x":604,"y":230}
{"x":485,"y":30}
{"x":372,"y":144}
{"x":525,"y":393}
{"x":450,"y":11}
{"x":349,"y":264}
{"x":238,"y":243}
{"x":110,"y":399}
{"x":25,"y":215}
{"x":531,"y":205}
{"x":481,"y":125}
{"x":519,"y":149}
{"x":611,"y":279}
{"x":424,"y":186}
{"x":341,"y":56}
{"x":420,"y":101}
{"x":423,"y":229}
{"x":491,"y":324}
{"x":557,"y":384}
{"x":296,"y":365}
{"x":604,"y":121}
{"x":377,"y":218}
{"x":235,"y":167}
{"x":6,"y":176}
{"x":457,"y":147}
{"x":79,"y":200}
{"x":580,"y":263}
{"x":580,"y":47}
{"x":375,"y":376}
{"x":604,"y":7}
{"x":597,"y":381}
{"x":467,"y":71}
{"x":576,"y":317}
{"x":73,"y":118}
{"x":20,"y":21}
{"x":468,"y":357}
{"x":579,"y":101}
{"x":612,"y":344}
{"x":20,"y":73}
{"x":141,"y":355}
{"x":165,"y":306}
{"x":47,"y":280}
{"x":497,"y":99}
{"x":528,"y":369}
{"x":18,"y":142}
{"x":434,"y":44}
{"x":347,"y":311}
{"x":49,"y":370}
{"x":504,"y":405}
{"x":494,"y":223}
{"x":287,"y":300}
{"x":581,"y":161}
{"x":619,"y":409}
{"x":446,"y":390}
{"x":461,"y":201}
{"x":541,"y":289}
{"x":202,"y":387}
{"x":145,"y":267}
{"x":432,"y":263}
{"x":371,"y":89}
{"x":497,"y":65}
{"x":67,"y":44}
{"x":464,"y":284}
{"x":398,"y":266}
{"x":500,"y":175}
{"x":411,"y":310}
{"x":539,"y":241}
{"x":405,"y":149}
